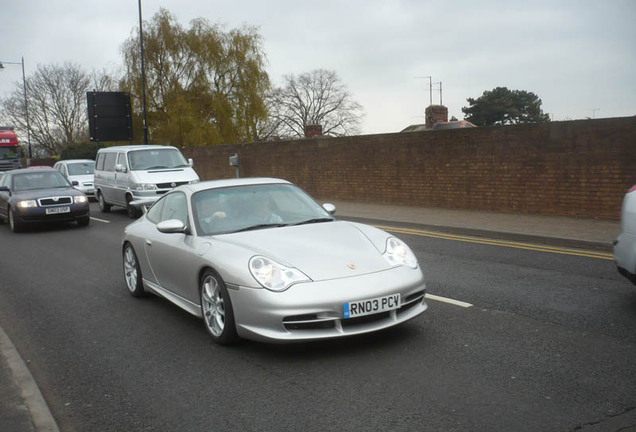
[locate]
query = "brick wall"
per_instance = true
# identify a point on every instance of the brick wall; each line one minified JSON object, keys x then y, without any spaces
{"x":576,"y":168}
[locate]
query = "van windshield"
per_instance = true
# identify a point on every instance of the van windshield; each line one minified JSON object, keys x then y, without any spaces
{"x":141,"y":160}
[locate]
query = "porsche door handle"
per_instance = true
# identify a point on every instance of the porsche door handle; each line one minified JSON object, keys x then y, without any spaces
{"x":149,"y":242}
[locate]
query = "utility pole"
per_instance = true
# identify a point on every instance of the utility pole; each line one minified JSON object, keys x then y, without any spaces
{"x":430,"y":88}
{"x":143,"y":76}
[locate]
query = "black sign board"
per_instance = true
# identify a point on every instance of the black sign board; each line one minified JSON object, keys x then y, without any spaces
{"x":109,"y":116}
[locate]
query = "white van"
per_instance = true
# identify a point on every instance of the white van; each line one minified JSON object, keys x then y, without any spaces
{"x":138,"y":173}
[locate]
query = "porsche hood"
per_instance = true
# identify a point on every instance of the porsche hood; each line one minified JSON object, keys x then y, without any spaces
{"x":322,"y":251}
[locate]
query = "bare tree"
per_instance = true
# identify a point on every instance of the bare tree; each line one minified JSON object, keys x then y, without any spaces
{"x":317,"y":97}
{"x":57,"y":106}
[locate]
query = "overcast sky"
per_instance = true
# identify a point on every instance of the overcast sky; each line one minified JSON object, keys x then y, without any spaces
{"x":578,"y":56}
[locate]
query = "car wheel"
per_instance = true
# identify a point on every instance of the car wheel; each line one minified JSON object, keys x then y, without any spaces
{"x":216,"y":308}
{"x":132,"y":272}
{"x":14,"y":222}
{"x":104,"y":207}
{"x":84,"y":221}
{"x":133,"y":212}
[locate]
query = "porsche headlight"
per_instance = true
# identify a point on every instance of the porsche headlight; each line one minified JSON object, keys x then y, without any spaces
{"x":27,"y":204}
{"x":275,"y":276}
{"x":78,"y":199}
{"x":398,"y":253}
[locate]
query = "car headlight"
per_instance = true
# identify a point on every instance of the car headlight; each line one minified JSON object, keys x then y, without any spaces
{"x":274,"y":276}
{"x":78,"y":199}
{"x":146,"y":186}
{"x":398,"y":253}
{"x":27,"y":204}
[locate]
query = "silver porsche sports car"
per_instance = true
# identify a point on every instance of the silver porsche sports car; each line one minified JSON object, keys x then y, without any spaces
{"x":260,"y":259}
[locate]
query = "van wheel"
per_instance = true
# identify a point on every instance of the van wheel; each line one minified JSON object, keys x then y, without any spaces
{"x":133,"y":212}
{"x":104,"y":207}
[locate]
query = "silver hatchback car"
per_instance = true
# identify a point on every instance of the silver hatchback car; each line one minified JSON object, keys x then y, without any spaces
{"x":625,"y":244}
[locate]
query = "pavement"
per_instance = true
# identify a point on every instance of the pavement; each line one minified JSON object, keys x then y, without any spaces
{"x":23,"y":408}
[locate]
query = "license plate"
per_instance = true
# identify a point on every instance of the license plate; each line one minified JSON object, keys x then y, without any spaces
{"x":58,"y":210}
{"x":371,"y":306}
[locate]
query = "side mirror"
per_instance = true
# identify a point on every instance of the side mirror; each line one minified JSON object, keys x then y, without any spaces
{"x":120,"y":168}
{"x":190,"y":162}
{"x":171,"y":226}
{"x":75,"y":183}
{"x":4,"y":189}
{"x":330,"y":208}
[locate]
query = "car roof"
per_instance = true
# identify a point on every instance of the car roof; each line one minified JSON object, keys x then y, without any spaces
{"x":135,"y":147}
{"x":67,"y":161}
{"x":215,"y":184}
{"x":30,"y":171}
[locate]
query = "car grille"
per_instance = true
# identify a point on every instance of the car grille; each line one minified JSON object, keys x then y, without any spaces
{"x":170,"y":185}
{"x":54,"y":201}
{"x":325,"y":321}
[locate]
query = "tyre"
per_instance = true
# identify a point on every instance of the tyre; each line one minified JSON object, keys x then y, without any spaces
{"x":84,"y":221}
{"x":104,"y":207}
{"x":133,"y":212}
{"x":216,"y":308}
{"x":132,"y":272}
{"x":14,"y":221}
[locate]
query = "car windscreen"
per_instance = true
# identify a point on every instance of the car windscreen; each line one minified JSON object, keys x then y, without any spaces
{"x":241,"y":208}
{"x":39,"y":180}
{"x":81,"y":168}
{"x":140,"y":160}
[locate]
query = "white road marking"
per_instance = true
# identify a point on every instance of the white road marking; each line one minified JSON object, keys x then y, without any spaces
{"x":100,"y":220}
{"x":448,"y":300}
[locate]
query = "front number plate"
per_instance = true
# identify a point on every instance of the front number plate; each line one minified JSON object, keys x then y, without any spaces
{"x":371,"y":306}
{"x":57,"y":210}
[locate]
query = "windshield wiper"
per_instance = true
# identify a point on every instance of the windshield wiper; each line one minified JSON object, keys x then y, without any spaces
{"x":259,"y":226}
{"x":316,"y":220}
{"x":157,"y":167}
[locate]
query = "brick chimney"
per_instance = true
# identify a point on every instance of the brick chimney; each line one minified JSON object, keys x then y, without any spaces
{"x":435,"y":113}
{"x":313,"y":130}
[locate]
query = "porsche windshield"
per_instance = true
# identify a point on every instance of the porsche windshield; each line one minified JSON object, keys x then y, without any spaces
{"x":244,"y":208}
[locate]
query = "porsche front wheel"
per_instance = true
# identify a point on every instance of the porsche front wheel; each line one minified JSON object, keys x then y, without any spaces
{"x":132,"y":272}
{"x":216,"y":308}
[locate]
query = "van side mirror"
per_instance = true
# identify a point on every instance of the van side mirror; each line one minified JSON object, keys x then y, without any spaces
{"x":120,"y":168}
{"x":190,"y":162}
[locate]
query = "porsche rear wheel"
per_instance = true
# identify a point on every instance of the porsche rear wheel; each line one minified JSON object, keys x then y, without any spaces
{"x":216,"y":308}
{"x":132,"y":272}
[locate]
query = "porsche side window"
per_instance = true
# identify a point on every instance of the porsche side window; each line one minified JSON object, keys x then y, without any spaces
{"x":154,"y":213}
{"x":175,"y":208}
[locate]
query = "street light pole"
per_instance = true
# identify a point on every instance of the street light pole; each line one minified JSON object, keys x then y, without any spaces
{"x":143,"y":75}
{"x":26,"y":101}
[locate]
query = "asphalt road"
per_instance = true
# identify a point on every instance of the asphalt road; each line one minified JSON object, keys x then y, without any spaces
{"x":548,"y":344}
